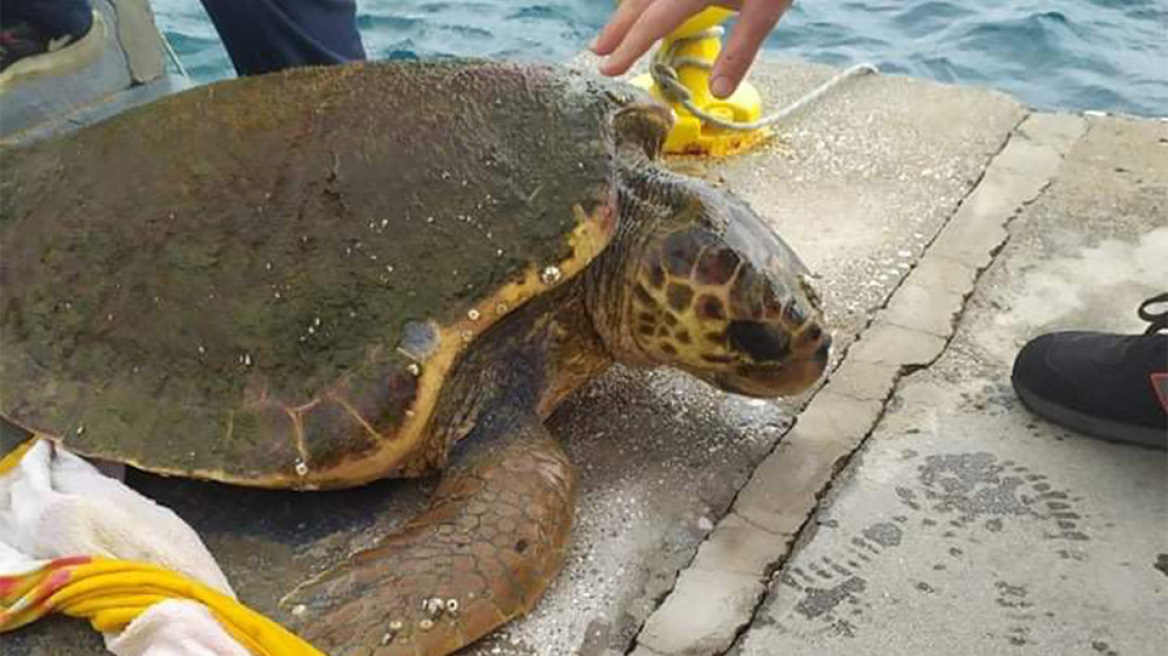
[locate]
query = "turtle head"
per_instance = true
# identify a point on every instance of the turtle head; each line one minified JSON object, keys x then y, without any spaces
{"x":716,"y":293}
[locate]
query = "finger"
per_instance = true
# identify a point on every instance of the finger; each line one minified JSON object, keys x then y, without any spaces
{"x":755,"y":22}
{"x":657,"y":21}
{"x":618,"y":26}
{"x":734,"y":5}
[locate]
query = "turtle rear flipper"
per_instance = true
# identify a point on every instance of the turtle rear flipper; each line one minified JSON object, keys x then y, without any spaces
{"x":492,"y":539}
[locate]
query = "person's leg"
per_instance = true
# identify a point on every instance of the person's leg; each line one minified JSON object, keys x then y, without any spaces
{"x":1114,"y":387}
{"x":263,"y":36}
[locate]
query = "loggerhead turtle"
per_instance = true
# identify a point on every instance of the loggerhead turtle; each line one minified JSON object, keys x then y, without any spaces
{"x":322,"y":277}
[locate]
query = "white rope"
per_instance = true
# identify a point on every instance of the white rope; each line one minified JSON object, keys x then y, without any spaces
{"x":663,"y":70}
{"x":173,"y":56}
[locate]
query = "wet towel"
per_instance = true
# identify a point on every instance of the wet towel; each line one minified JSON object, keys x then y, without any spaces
{"x":175,"y":628}
{"x":53,"y":504}
{"x":75,"y":541}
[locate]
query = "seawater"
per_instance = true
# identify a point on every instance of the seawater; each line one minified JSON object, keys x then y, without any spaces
{"x":1109,"y":55}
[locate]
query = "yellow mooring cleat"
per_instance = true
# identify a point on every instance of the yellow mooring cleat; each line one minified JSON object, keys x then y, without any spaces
{"x":680,"y":76}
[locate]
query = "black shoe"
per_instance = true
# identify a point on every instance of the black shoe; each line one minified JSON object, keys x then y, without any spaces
{"x":1114,"y":387}
{"x":20,"y":39}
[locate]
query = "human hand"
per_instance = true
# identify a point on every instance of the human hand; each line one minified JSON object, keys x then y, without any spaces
{"x":638,"y":24}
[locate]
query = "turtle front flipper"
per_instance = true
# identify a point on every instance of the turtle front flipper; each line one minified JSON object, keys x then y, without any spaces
{"x":492,"y":539}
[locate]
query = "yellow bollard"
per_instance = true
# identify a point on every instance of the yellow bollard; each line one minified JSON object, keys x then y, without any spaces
{"x":689,"y":53}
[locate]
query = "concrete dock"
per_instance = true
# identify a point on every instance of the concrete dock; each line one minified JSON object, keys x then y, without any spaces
{"x":909,"y":505}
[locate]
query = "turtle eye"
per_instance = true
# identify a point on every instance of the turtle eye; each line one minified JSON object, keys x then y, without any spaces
{"x":761,"y":342}
{"x":793,"y":314}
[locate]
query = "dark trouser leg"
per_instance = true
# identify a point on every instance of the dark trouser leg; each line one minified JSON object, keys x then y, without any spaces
{"x":263,"y":36}
{"x":491,"y":541}
{"x":53,"y":18}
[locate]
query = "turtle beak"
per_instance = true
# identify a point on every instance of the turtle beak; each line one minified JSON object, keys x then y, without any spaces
{"x":791,"y":375}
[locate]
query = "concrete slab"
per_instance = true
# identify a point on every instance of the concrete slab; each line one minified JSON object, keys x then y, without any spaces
{"x":740,"y":547}
{"x":969,"y":525}
{"x":860,"y":184}
{"x":865,"y":381}
{"x":861,"y":181}
{"x":95,"y":67}
{"x":785,"y":488}
{"x":141,"y":40}
{"x":120,"y":63}
{"x":699,"y":615}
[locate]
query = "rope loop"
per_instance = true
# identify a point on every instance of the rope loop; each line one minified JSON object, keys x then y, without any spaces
{"x":665,"y":63}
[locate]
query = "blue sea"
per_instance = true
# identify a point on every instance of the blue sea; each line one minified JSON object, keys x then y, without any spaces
{"x":1109,"y":55}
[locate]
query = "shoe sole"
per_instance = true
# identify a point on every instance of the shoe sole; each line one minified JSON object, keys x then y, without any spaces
{"x":1104,"y":429}
{"x":68,"y":59}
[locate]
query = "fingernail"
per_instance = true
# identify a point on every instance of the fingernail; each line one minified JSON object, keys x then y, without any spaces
{"x":721,"y":86}
{"x":592,"y":46}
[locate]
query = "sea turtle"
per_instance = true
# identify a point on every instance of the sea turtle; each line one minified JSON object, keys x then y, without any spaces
{"x":326,"y":276}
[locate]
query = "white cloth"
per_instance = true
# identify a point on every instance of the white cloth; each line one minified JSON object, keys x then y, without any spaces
{"x":175,"y":628}
{"x":12,"y":561}
{"x":54,"y":504}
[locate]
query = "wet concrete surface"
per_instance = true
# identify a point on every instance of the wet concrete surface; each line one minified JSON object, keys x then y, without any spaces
{"x":860,"y":184}
{"x":968,"y":525}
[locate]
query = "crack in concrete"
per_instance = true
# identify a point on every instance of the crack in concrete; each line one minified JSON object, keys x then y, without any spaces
{"x":809,"y":527}
{"x":806,"y":530}
{"x":777,"y":567}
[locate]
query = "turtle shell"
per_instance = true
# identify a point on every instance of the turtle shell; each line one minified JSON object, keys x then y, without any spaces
{"x":267,"y":280}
